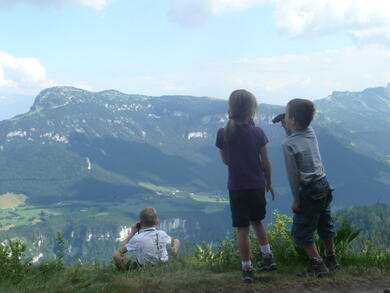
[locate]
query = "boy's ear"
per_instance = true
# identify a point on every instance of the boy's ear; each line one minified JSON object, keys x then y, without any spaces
{"x":157,"y":221}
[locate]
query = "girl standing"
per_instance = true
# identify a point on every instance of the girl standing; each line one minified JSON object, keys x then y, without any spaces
{"x":243,"y":149}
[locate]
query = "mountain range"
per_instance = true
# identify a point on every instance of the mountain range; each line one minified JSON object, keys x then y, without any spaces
{"x":85,"y":163}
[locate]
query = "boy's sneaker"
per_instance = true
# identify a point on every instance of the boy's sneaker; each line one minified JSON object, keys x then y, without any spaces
{"x":247,"y":275}
{"x":267,"y":263}
{"x":316,"y":268}
{"x":331,"y":262}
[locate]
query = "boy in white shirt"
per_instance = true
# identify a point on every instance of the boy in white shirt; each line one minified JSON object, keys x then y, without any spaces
{"x":149,"y":244}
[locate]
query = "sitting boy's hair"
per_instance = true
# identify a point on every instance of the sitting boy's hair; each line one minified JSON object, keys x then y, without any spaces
{"x":148,"y":217}
{"x":302,"y":111}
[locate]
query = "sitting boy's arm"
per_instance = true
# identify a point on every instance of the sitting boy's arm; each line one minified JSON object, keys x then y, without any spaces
{"x":292,"y":174}
{"x":134,"y":229}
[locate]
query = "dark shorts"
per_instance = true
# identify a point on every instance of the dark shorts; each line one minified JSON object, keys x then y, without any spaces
{"x":315,"y":199}
{"x":247,"y":205}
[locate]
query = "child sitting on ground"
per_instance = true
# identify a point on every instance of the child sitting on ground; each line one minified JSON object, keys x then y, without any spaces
{"x":149,"y":244}
{"x":310,"y":188}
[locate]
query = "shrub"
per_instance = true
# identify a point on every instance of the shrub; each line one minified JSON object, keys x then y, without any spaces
{"x":345,"y":235}
{"x":223,"y":257}
{"x":281,"y":241}
{"x":12,"y":265}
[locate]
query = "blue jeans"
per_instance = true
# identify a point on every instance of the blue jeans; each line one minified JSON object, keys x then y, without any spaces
{"x":315,"y":199}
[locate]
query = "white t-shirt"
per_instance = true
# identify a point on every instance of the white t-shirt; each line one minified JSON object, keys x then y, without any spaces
{"x":150,"y":246}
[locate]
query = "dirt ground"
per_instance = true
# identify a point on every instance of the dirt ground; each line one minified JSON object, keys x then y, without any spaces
{"x":355,"y":285}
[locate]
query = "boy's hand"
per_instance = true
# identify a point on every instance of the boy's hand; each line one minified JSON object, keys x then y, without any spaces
{"x":122,"y":250}
{"x":135,"y":228}
{"x":269,"y":188}
{"x":296,"y":208}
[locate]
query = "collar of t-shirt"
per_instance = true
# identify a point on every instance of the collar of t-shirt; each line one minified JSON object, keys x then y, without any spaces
{"x":147,"y":229}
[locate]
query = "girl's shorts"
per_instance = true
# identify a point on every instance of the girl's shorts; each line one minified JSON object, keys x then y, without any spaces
{"x":247,"y":205}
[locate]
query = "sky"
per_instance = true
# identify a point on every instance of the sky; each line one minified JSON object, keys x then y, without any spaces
{"x":277,"y":49}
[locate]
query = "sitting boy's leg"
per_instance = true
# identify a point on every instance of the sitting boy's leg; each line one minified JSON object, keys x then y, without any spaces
{"x":121,"y":261}
{"x":175,"y":246}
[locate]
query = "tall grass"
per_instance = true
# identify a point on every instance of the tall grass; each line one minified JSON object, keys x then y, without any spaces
{"x":224,"y":254}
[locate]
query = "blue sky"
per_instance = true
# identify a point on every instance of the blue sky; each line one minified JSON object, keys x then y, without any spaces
{"x":278,"y":49}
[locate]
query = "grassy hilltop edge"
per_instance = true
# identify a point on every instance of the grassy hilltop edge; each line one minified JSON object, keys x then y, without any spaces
{"x":208,"y":267}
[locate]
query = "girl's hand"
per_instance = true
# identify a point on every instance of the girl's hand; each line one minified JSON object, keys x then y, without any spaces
{"x":269,"y":188}
{"x":296,"y":208}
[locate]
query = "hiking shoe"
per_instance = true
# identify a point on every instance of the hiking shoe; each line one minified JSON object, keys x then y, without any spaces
{"x":267,"y":263}
{"x":331,"y":262}
{"x":247,"y":275}
{"x":316,"y":268}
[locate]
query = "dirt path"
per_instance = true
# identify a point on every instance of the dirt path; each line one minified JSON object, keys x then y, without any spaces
{"x":353,"y":285}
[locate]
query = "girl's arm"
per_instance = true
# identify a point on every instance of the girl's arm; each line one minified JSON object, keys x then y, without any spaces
{"x":267,"y":170}
{"x":224,"y":157}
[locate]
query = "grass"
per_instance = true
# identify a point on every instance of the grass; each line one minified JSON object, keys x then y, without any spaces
{"x":182,"y":274}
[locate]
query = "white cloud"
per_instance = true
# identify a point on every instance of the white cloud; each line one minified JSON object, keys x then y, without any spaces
{"x":21,"y":75}
{"x":274,"y":80}
{"x":316,"y":75}
{"x":96,"y":4}
{"x":195,"y":12}
{"x":363,"y":19}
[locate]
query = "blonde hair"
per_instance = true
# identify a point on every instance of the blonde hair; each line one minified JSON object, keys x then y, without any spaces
{"x":148,"y":217}
{"x":242,"y":108}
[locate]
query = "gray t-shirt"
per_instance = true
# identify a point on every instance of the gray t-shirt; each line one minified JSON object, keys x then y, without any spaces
{"x":302,"y":158}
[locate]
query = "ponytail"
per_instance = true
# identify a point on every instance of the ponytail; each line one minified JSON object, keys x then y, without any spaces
{"x":229,"y":130}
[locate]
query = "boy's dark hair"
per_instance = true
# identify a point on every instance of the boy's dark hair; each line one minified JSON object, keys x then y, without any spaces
{"x":148,"y":217}
{"x":302,"y":111}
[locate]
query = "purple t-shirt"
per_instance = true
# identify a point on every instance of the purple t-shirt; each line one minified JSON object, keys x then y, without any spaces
{"x":243,"y":154}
